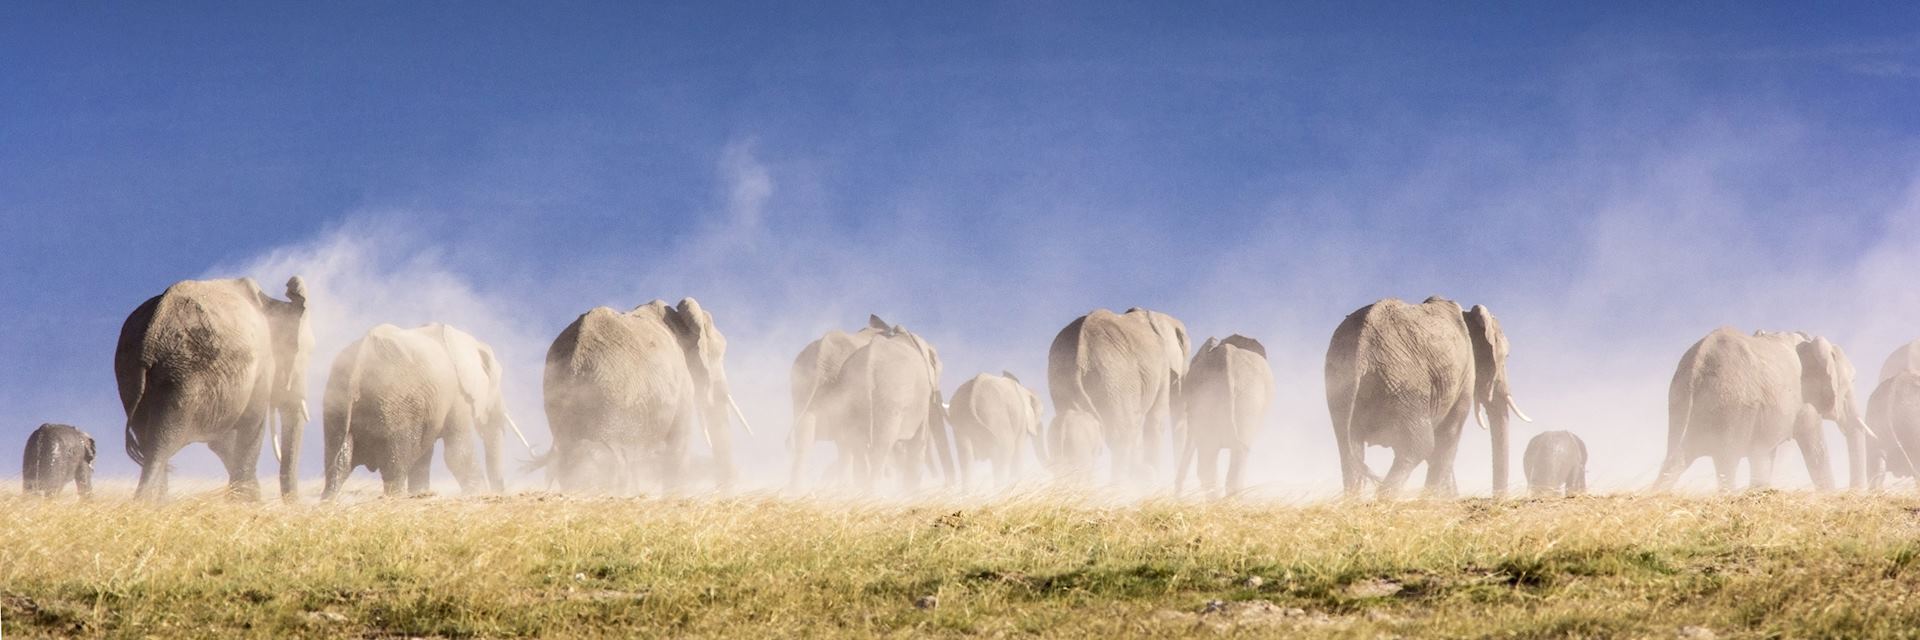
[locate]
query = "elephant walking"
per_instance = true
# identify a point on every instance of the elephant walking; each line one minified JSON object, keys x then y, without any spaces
{"x":819,"y":362}
{"x":1123,"y":371}
{"x":622,"y":389}
{"x":1405,"y":376}
{"x":1554,"y":462}
{"x":57,"y":454}
{"x":1893,"y":411}
{"x":1737,"y":396}
{"x":884,"y":405}
{"x":993,"y":417}
{"x":395,"y":392}
{"x":1228,"y":387}
{"x":209,"y":361}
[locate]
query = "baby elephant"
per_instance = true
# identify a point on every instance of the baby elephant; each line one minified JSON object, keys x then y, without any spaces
{"x":1556,"y":461}
{"x":57,"y":453}
{"x":993,"y":417}
{"x":1228,"y":388}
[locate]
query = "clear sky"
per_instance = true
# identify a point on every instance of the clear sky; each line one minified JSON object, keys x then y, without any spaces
{"x":1613,"y":180}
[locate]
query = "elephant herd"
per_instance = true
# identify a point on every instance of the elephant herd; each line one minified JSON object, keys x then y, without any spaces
{"x":222,"y":362}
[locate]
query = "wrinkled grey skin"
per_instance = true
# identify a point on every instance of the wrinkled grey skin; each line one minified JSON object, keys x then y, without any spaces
{"x":819,"y":362}
{"x":210,"y":361}
{"x":1893,"y":412}
{"x":622,"y":390}
{"x":395,"y":392}
{"x":1555,"y":462}
{"x":56,"y":454}
{"x":1405,"y":376}
{"x":1124,"y":371}
{"x":1737,"y":396}
{"x":993,"y":417}
{"x":1228,"y":387}
{"x":884,"y":405}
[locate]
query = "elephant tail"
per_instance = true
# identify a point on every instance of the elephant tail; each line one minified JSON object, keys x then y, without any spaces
{"x":135,"y":416}
{"x":1680,"y":403}
{"x":343,"y":457}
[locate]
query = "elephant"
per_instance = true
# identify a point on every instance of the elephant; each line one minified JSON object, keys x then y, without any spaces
{"x":992,"y":417}
{"x":884,"y":404}
{"x":1893,"y":410}
{"x":395,"y":392}
{"x":1405,"y":376}
{"x":1229,"y":387}
{"x":1555,"y":461}
{"x":1739,"y":396}
{"x":1072,"y":444}
{"x":210,"y":361}
{"x":622,"y":389}
{"x":1125,"y":371}
{"x":819,"y":362}
{"x":57,"y":453}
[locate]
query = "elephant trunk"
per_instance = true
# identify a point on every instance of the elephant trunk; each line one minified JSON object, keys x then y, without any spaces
{"x":1500,"y":456}
{"x":293,"y":422}
{"x":715,"y":416}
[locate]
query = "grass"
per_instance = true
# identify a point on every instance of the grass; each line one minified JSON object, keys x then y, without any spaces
{"x":1764,"y":565}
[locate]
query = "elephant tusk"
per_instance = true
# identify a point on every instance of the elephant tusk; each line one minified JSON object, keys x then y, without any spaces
{"x":274,"y":417}
{"x":518,"y":433}
{"x":742,"y":417}
{"x":1515,"y":406}
{"x":1479,"y":416}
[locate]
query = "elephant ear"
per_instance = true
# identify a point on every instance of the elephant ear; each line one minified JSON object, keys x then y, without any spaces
{"x":1033,"y":402}
{"x":1822,"y":378}
{"x":1009,"y":375}
{"x":1246,"y":344}
{"x":874,"y":322}
{"x":473,"y":365}
{"x":704,"y":346}
{"x":1489,"y":349}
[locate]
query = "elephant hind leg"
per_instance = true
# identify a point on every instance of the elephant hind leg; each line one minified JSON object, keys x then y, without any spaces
{"x":1446,"y":447}
{"x":1725,"y":466}
{"x":1236,"y":470}
{"x":457,"y":446}
{"x":1760,"y":468}
{"x":1209,"y":459}
{"x":420,"y":470}
{"x":1397,"y":474}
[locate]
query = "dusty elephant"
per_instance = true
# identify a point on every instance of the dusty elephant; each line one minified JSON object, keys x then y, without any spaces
{"x":210,"y":361}
{"x":1124,"y":371}
{"x":884,"y":405}
{"x":1229,"y":386}
{"x":993,"y":417}
{"x":395,"y":392}
{"x":1405,"y":376}
{"x":57,"y":454}
{"x":1891,"y":413}
{"x":1555,"y":462}
{"x":819,"y":362}
{"x":623,"y":389}
{"x":1737,"y":396}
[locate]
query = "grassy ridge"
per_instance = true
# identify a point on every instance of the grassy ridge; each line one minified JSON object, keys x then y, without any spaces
{"x":1792,"y":565}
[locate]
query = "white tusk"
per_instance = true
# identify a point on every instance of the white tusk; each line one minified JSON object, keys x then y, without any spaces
{"x":735,"y":408}
{"x":522,"y":436}
{"x":1515,"y":406}
{"x":1479,"y":416}
{"x":273,"y":417}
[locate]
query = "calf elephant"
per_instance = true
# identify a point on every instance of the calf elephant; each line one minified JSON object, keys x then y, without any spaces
{"x":623,"y":388}
{"x":57,"y":454}
{"x":395,"y":392}
{"x":1125,"y":371}
{"x":993,"y":417}
{"x":1228,"y":387}
{"x":884,"y":405}
{"x":209,"y":361}
{"x":1072,"y":445}
{"x":1555,"y":462}
{"x":1737,"y":396}
{"x":819,"y":362}
{"x":1405,"y":376}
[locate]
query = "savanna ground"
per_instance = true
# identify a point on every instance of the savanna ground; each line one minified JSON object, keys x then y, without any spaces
{"x":1761,"y":565}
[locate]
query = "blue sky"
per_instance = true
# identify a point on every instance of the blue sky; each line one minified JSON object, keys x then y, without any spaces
{"x":1613,"y":180}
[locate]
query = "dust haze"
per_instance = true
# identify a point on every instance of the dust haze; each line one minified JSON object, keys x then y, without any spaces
{"x":1615,"y":254}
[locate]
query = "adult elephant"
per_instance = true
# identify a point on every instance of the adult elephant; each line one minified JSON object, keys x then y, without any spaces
{"x":1737,"y":396}
{"x":1405,"y":376}
{"x":1893,"y":410}
{"x":1124,"y":371}
{"x":210,"y":361}
{"x":621,"y":388}
{"x":1229,"y":387}
{"x":819,"y":362}
{"x":395,"y":392}
{"x":884,"y":405}
{"x":993,"y":417}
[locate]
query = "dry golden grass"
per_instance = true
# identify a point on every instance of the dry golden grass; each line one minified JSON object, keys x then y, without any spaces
{"x":1771,"y":565}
